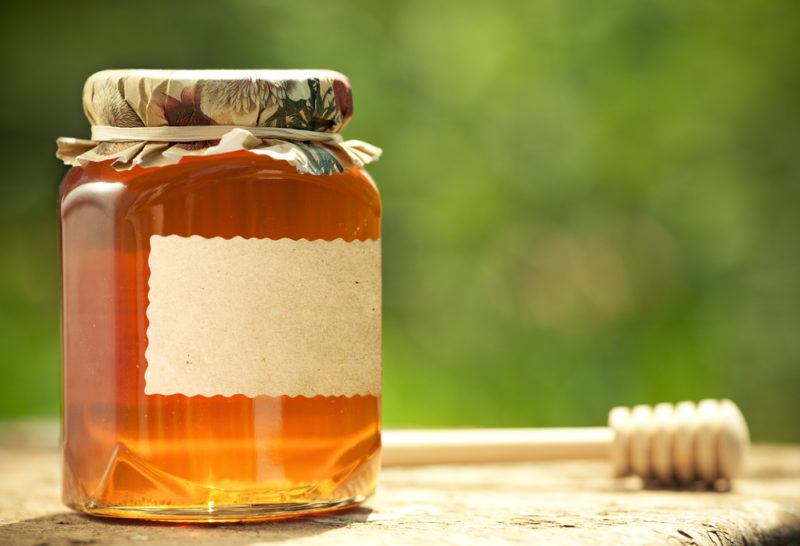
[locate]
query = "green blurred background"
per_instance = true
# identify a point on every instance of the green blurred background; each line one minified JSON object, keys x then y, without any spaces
{"x":586,"y":203}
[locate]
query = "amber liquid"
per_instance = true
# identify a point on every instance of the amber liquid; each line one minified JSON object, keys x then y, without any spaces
{"x":198,"y":458}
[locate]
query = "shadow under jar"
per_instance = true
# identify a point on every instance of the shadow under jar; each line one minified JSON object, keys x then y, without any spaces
{"x":221,"y":308}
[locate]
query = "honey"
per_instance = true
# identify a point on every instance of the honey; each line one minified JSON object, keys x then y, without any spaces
{"x":183,"y":456}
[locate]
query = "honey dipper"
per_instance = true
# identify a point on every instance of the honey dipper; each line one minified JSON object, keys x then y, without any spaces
{"x":665,"y":443}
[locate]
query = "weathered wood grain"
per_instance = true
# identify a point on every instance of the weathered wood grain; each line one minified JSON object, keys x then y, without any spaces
{"x":549,"y":503}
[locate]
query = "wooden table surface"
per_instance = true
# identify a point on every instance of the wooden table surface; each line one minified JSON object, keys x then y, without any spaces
{"x":548,"y":503}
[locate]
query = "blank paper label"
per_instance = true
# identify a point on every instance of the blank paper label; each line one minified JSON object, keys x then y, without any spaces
{"x":263,"y":317}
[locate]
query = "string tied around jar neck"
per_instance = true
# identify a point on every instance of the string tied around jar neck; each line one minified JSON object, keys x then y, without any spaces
{"x":199,"y":133}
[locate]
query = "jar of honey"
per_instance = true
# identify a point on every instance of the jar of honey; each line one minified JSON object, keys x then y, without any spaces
{"x":221,"y":298}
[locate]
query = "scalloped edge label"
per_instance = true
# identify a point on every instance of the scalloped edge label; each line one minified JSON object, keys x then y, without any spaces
{"x":263,"y":317}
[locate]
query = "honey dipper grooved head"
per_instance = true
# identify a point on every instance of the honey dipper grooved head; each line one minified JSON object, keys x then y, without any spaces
{"x":679,"y":443}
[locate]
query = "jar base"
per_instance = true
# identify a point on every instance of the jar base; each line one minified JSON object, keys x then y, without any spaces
{"x":221,"y":514}
{"x":134,"y":488}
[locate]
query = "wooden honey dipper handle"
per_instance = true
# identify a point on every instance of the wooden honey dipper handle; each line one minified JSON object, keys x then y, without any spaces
{"x":668,"y":443}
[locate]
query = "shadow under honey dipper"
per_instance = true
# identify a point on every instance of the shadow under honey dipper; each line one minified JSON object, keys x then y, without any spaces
{"x":685,"y":445}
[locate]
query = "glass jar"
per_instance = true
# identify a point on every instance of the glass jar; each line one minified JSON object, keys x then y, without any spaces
{"x":221,"y":303}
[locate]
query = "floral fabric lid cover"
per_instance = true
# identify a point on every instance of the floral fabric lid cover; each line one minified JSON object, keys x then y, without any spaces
{"x":305,"y":100}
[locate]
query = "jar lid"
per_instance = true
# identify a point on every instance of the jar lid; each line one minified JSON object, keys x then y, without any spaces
{"x":312,"y":100}
{"x":152,"y":118}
